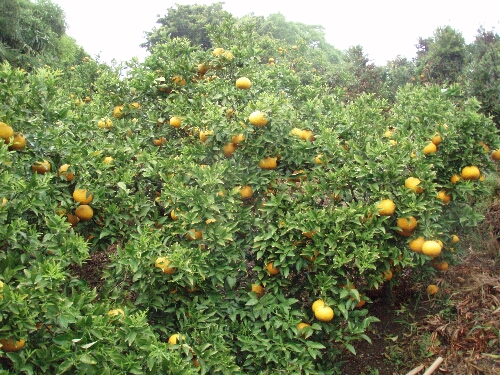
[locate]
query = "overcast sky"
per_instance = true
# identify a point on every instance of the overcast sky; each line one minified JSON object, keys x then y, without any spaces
{"x":384,"y":28}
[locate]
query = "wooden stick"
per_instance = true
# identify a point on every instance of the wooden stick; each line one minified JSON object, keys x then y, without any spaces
{"x":416,"y":370}
{"x":434,"y":366}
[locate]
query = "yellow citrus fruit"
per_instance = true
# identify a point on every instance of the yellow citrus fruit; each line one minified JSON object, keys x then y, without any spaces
{"x":307,"y":135}
{"x":432,"y":289}
{"x":160,"y":141}
{"x":162,"y":263}
{"x":178,"y":80}
{"x":105,"y":123}
{"x":236,"y":139}
{"x":296,"y":131}
{"x":471,"y":173}
{"x":82,"y":196}
{"x":175,"y":122}
{"x":444,"y":196}
{"x":84,"y":212}
{"x":73,"y":219}
{"x":243,"y":83}
{"x":63,"y":171}
{"x":6,"y":131}
{"x":258,"y":289}
{"x":229,"y":149}
{"x":387,"y":275}
{"x":202,"y":68}
{"x":440,"y":266}
{"x":302,"y":325}
{"x":437,"y":139}
{"x":218,"y":51}
{"x":41,"y":167}
{"x":18,"y":143}
{"x":116,"y":312}
{"x":273,"y":271}
{"x":317,"y":304}
{"x":416,"y":244}
{"x":258,"y":119}
{"x":118,"y":111}
{"x":204,"y":134}
{"x":454,"y":179}
{"x":228,"y":55}
{"x":412,"y":183}
{"x":454,"y":239}
{"x":485,"y":146}
{"x":198,"y":235}
{"x":174,"y":339}
{"x":386,"y":207}
{"x":246,"y":192}
{"x":9,"y":345}
{"x":431,"y":148}
{"x":173,"y":215}
{"x":268,"y":163}
{"x":495,"y":155}
{"x":431,"y":248}
{"x":407,"y":223}
{"x":318,"y":160}
{"x":108,"y":160}
{"x":324,"y":313}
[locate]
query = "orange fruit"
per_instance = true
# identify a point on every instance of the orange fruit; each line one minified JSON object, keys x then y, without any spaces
{"x":105,"y":123}
{"x":444,"y":196}
{"x":178,"y":80}
{"x":258,"y":119}
{"x":175,"y":122}
{"x":416,"y":244}
{"x":63,"y":171}
{"x":454,"y":239}
{"x":107,"y":160}
{"x":258,"y":289}
{"x":440,"y":266}
{"x":387,"y":275}
{"x":273,"y":271}
{"x":324,"y":313}
{"x":437,"y":139}
{"x":243,"y":83}
{"x":174,"y":339}
{"x":386,"y":207}
{"x":118,"y":111}
{"x":202,"y":68}
{"x":82,"y":196}
{"x":268,"y":163}
{"x":454,"y":179}
{"x":73,"y":219}
{"x":41,"y":167}
{"x":198,"y":235}
{"x":218,"y":51}
{"x":407,"y":223}
{"x":471,"y":173}
{"x":317,"y":304}
{"x":237,"y":138}
{"x":412,"y":183}
{"x":318,"y":160}
{"x":431,"y":248}
{"x":495,"y":155}
{"x":432,"y":289}
{"x":229,"y":149}
{"x":9,"y":345}
{"x":6,"y":132}
{"x":163,"y":264}
{"x":116,"y":312}
{"x":84,"y":212}
{"x":246,"y":192}
{"x":173,"y":215}
{"x":18,"y":143}
{"x":485,"y":146}
{"x":204,"y":135}
{"x":430,"y":149}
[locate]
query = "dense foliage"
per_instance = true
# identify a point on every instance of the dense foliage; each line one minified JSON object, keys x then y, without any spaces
{"x":187,"y":217}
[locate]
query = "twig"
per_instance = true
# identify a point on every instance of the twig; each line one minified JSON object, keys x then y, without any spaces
{"x":434,"y":366}
{"x":416,"y":370}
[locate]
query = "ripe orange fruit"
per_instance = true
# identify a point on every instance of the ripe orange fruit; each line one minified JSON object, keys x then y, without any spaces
{"x":444,"y":196}
{"x":105,"y":123}
{"x":227,"y":55}
{"x":454,"y":239}
{"x":229,"y":149}
{"x":237,"y":138}
{"x":431,"y":248}
{"x":41,"y":167}
{"x":430,"y":149}
{"x":471,"y":173}
{"x":416,"y":244}
{"x":273,"y":271}
{"x":440,"y":266}
{"x":82,"y":196}
{"x":84,"y":212}
{"x":412,"y":183}
{"x":73,"y":219}
{"x":485,"y":146}
{"x":9,"y":345}
{"x":268,"y":163}
{"x":387,"y":275}
{"x":202,"y":68}
{"x":432,"y":289}
{"x":437,"y":139}
{"x":386,"y":207}
{"x":6,"y":132}
{"x":174,"y":339}
{"x":108,"y":160}
{"x":118,"y":111}
{"x":407,"y":223}
{"x":18,"y":143}
{"x":454,"y":179}
{"x":204,"y":134}
{"x":198,"y":234}
{"x":63,"y":171}
{"x":162,"y":263}
{"x":258,"y":119}
{"x":317,"y":304}
{"x":175,"y":122}
{"x":173,"y":215}
{"x":160,"y":141}
{"x":318,"y":160}
{"x":307,"y":135}
{"x":324,"y":313}
{"x":246,"y":192}
{"x":302,"y":325}
{"x":243,"y":83}
{"x":495,"y":155}
{"x":258,"y":289}
{"x":218,"y":51}
{"x":178,"y":80}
